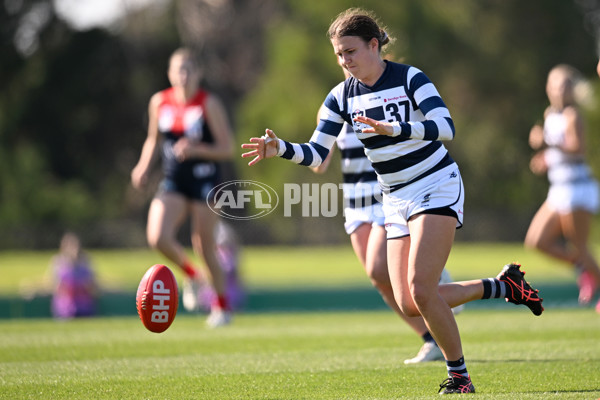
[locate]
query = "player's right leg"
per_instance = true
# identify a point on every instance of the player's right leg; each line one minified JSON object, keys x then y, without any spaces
{"x":167,"y":212}
{"x":204,"y":221}
{"x":576,"y":226}
{"x":545,"y":233}
{"x":371,"y":240}
{"x":517,"y":290}
{"x":369,"y":243}
{"x":420,"y":258}
{"x":165,"y":216}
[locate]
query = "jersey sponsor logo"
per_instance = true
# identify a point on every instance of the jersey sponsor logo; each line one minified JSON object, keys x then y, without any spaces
{"x":395,"y":98}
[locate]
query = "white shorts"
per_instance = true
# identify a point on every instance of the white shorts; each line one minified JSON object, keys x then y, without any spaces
{"x":355,"y":217}
{"x":442,"y":189}
{"x":564,"y":198}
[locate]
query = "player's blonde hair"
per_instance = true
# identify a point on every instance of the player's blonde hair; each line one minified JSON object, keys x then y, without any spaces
{"x":579,"y":89}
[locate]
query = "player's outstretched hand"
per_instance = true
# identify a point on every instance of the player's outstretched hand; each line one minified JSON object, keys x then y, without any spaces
{"x":381,"y":128}
{"x":265,"y":146}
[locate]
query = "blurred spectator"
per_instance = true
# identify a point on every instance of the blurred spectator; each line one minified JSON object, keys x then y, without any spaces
{"x":74,"y":284}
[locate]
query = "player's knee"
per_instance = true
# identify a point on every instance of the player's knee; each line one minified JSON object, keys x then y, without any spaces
{"x":409,"y":310}
{"x":407,"y":307}
{"x":421,"y":295}
{"x":379,"y":276}
{"x":157,"y":242}
{"x":152,"y":241}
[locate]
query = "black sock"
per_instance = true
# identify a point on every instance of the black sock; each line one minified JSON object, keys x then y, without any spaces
{"x":428,"y":338}
{"x":457,"y":367}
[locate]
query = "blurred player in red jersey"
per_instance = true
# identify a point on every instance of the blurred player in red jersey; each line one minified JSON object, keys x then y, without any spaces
{"x":190,"y":127}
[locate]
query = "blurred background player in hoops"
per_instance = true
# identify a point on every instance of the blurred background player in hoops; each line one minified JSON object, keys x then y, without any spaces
{"x":573,"y":197}
{"x":192,"y":131}
{"x":422,"y":187}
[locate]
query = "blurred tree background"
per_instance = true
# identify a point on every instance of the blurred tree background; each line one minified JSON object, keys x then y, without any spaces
{"x":73,"y":103}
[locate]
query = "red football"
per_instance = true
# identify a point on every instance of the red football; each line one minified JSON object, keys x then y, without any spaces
{"x":157,"y":298}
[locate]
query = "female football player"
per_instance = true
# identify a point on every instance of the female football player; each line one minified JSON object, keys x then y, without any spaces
{"x":364,"y":223}
{"x":573,"y":197}
{"x":190,"y":127}
{"x":401,"y":121}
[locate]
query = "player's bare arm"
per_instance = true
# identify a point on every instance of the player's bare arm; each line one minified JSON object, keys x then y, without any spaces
{"x":139,"y":174}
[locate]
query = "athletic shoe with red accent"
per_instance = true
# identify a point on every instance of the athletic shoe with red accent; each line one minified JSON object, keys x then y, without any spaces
{"x":457,"y":384}
{"x":587,"y":287}
{"x":520,"y":290}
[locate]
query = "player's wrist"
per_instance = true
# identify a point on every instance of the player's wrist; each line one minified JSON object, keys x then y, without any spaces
{"x":280,"y":147}
{"x":396,"y":128}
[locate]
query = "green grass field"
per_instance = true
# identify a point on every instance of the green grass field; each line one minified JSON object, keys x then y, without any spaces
{"x":345,"y":355}
{"x":296,"y":355}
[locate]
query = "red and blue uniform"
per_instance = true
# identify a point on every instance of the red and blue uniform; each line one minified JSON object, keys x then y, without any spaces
{"x":192,"y":178}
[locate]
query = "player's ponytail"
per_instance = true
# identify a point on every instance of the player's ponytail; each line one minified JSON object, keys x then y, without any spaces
{"x":383,"y":38}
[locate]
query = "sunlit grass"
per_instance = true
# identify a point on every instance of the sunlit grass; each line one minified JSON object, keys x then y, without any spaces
{"x":510,"y":355}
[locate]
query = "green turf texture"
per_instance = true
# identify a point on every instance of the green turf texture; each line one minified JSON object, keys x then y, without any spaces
{"x":346,"y":355}
{"x":308,"y":355}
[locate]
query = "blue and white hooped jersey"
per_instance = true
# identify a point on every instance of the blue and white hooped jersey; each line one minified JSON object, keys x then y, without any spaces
{"x":403,"y":94}
{"x":360,"y":185}
{"x":563,"y":167}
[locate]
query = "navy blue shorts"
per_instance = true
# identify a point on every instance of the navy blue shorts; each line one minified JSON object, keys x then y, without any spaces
{"x":197,"y":189}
